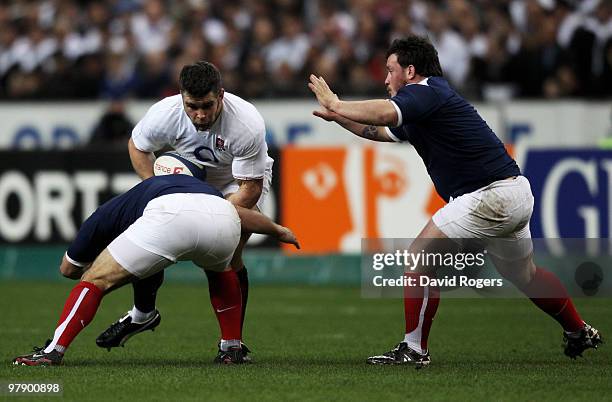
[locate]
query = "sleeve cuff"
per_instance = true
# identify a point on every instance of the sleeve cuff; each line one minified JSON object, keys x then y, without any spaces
{"x":73,"y":262}
{"x":138,"y":144}
{"x":141,"y":141}
{"x":399,"y":113}
{"x":391,"y":135}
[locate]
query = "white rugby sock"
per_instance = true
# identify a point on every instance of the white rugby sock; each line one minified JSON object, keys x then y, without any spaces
{"x":138,"y":317}
{"x":413,"y":339}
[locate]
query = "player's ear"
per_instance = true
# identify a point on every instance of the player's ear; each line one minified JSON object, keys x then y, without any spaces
{"x":221,"y":93}
{"x":409,"y":72}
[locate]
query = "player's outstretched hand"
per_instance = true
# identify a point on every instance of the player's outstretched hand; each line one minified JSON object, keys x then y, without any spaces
{"x":324,"y":95}
{"x":287,"y":236}
{"x":326,"y":114}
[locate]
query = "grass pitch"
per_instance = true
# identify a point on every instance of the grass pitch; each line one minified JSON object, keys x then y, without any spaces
{"x":309,"y":344}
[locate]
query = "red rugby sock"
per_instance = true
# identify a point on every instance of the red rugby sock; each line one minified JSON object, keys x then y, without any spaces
{"x":548,"y":293}
{"x":226,"y":301}
{"x":79,"y":310}
{"x":420,"y":306}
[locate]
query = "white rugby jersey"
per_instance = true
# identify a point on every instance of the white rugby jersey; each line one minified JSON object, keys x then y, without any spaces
{"x":235,"y":145}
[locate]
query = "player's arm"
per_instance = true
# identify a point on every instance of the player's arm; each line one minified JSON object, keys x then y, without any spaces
{"x":248,"y":193}
{"x":70,"y":270}
{"x":141,"y":161}
{"x":249,"y":166}
{"x":256,"y":222}
{"x":369,"y":132}
{"x":375,"y":112}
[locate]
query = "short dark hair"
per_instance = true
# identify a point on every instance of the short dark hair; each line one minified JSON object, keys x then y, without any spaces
{"x":418,"y":51}
{"x":199,"y":79}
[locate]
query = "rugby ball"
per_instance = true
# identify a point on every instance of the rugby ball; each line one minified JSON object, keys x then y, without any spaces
{"x":173,"y":163}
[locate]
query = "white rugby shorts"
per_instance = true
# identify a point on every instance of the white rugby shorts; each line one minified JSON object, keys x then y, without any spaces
{"x":202,"y":228}
{"x":498,"y":213}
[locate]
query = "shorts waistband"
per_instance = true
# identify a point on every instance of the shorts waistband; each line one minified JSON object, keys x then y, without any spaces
{"x":482,"y":187}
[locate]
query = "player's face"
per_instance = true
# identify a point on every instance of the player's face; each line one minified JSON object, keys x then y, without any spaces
{"x":203,"y":112}
{"x":396,"y":75}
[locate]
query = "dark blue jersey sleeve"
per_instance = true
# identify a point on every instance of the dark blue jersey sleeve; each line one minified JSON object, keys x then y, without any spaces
{"x":92,"y":238}
{"x":416,"y":102}
{"x":401,"y":133}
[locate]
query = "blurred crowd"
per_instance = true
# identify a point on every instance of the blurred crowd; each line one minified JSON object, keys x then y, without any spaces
{"x":126,"y":49}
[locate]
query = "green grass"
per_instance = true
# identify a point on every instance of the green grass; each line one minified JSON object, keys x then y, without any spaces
{"x":309,"y":344}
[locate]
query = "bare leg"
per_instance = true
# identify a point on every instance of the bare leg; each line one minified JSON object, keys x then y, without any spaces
{"x":104,"y":276}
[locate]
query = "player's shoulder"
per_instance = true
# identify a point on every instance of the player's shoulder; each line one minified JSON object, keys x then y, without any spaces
{"x":242,"y":113}
{"x":237,"y":101}
{"x":439,"y":84}
{"x":169,"y":104}
{"x":428,"y":84}
{"x":430,"y":89}
{"x":164,"y":113}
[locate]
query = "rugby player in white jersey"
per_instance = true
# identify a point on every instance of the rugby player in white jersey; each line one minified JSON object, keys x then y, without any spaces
{"x":226,"y":134}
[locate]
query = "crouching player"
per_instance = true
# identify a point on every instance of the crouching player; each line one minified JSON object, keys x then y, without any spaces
{"x":162,"y":220}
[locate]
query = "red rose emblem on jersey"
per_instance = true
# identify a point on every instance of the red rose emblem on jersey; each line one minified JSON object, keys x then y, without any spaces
{"x":220,"y":144}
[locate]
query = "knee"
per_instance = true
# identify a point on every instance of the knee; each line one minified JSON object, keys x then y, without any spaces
{"x":520,"y":275}
{"x":101,"y":283}
{"x":70,"y":271}
{"x":66,"y":272}
{"x":236,"y":262}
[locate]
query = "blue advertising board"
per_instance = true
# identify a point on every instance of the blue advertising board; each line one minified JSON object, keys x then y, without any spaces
{"x":573,"y":192}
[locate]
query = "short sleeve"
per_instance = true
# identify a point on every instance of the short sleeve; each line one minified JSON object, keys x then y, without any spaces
{"x":91,"y":240}
{"x":399,"y":134}
{"x":396,"y":133}
{"x":250,"y":158}
{"x":251,"y":164}
{"x":416,"y":102}
{"x":75,"y":262}
{"x":149,"y":134}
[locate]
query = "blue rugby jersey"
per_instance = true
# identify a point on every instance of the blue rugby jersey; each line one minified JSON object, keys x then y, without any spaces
{"x":460,"y":151}
{"x":116,"y":215}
